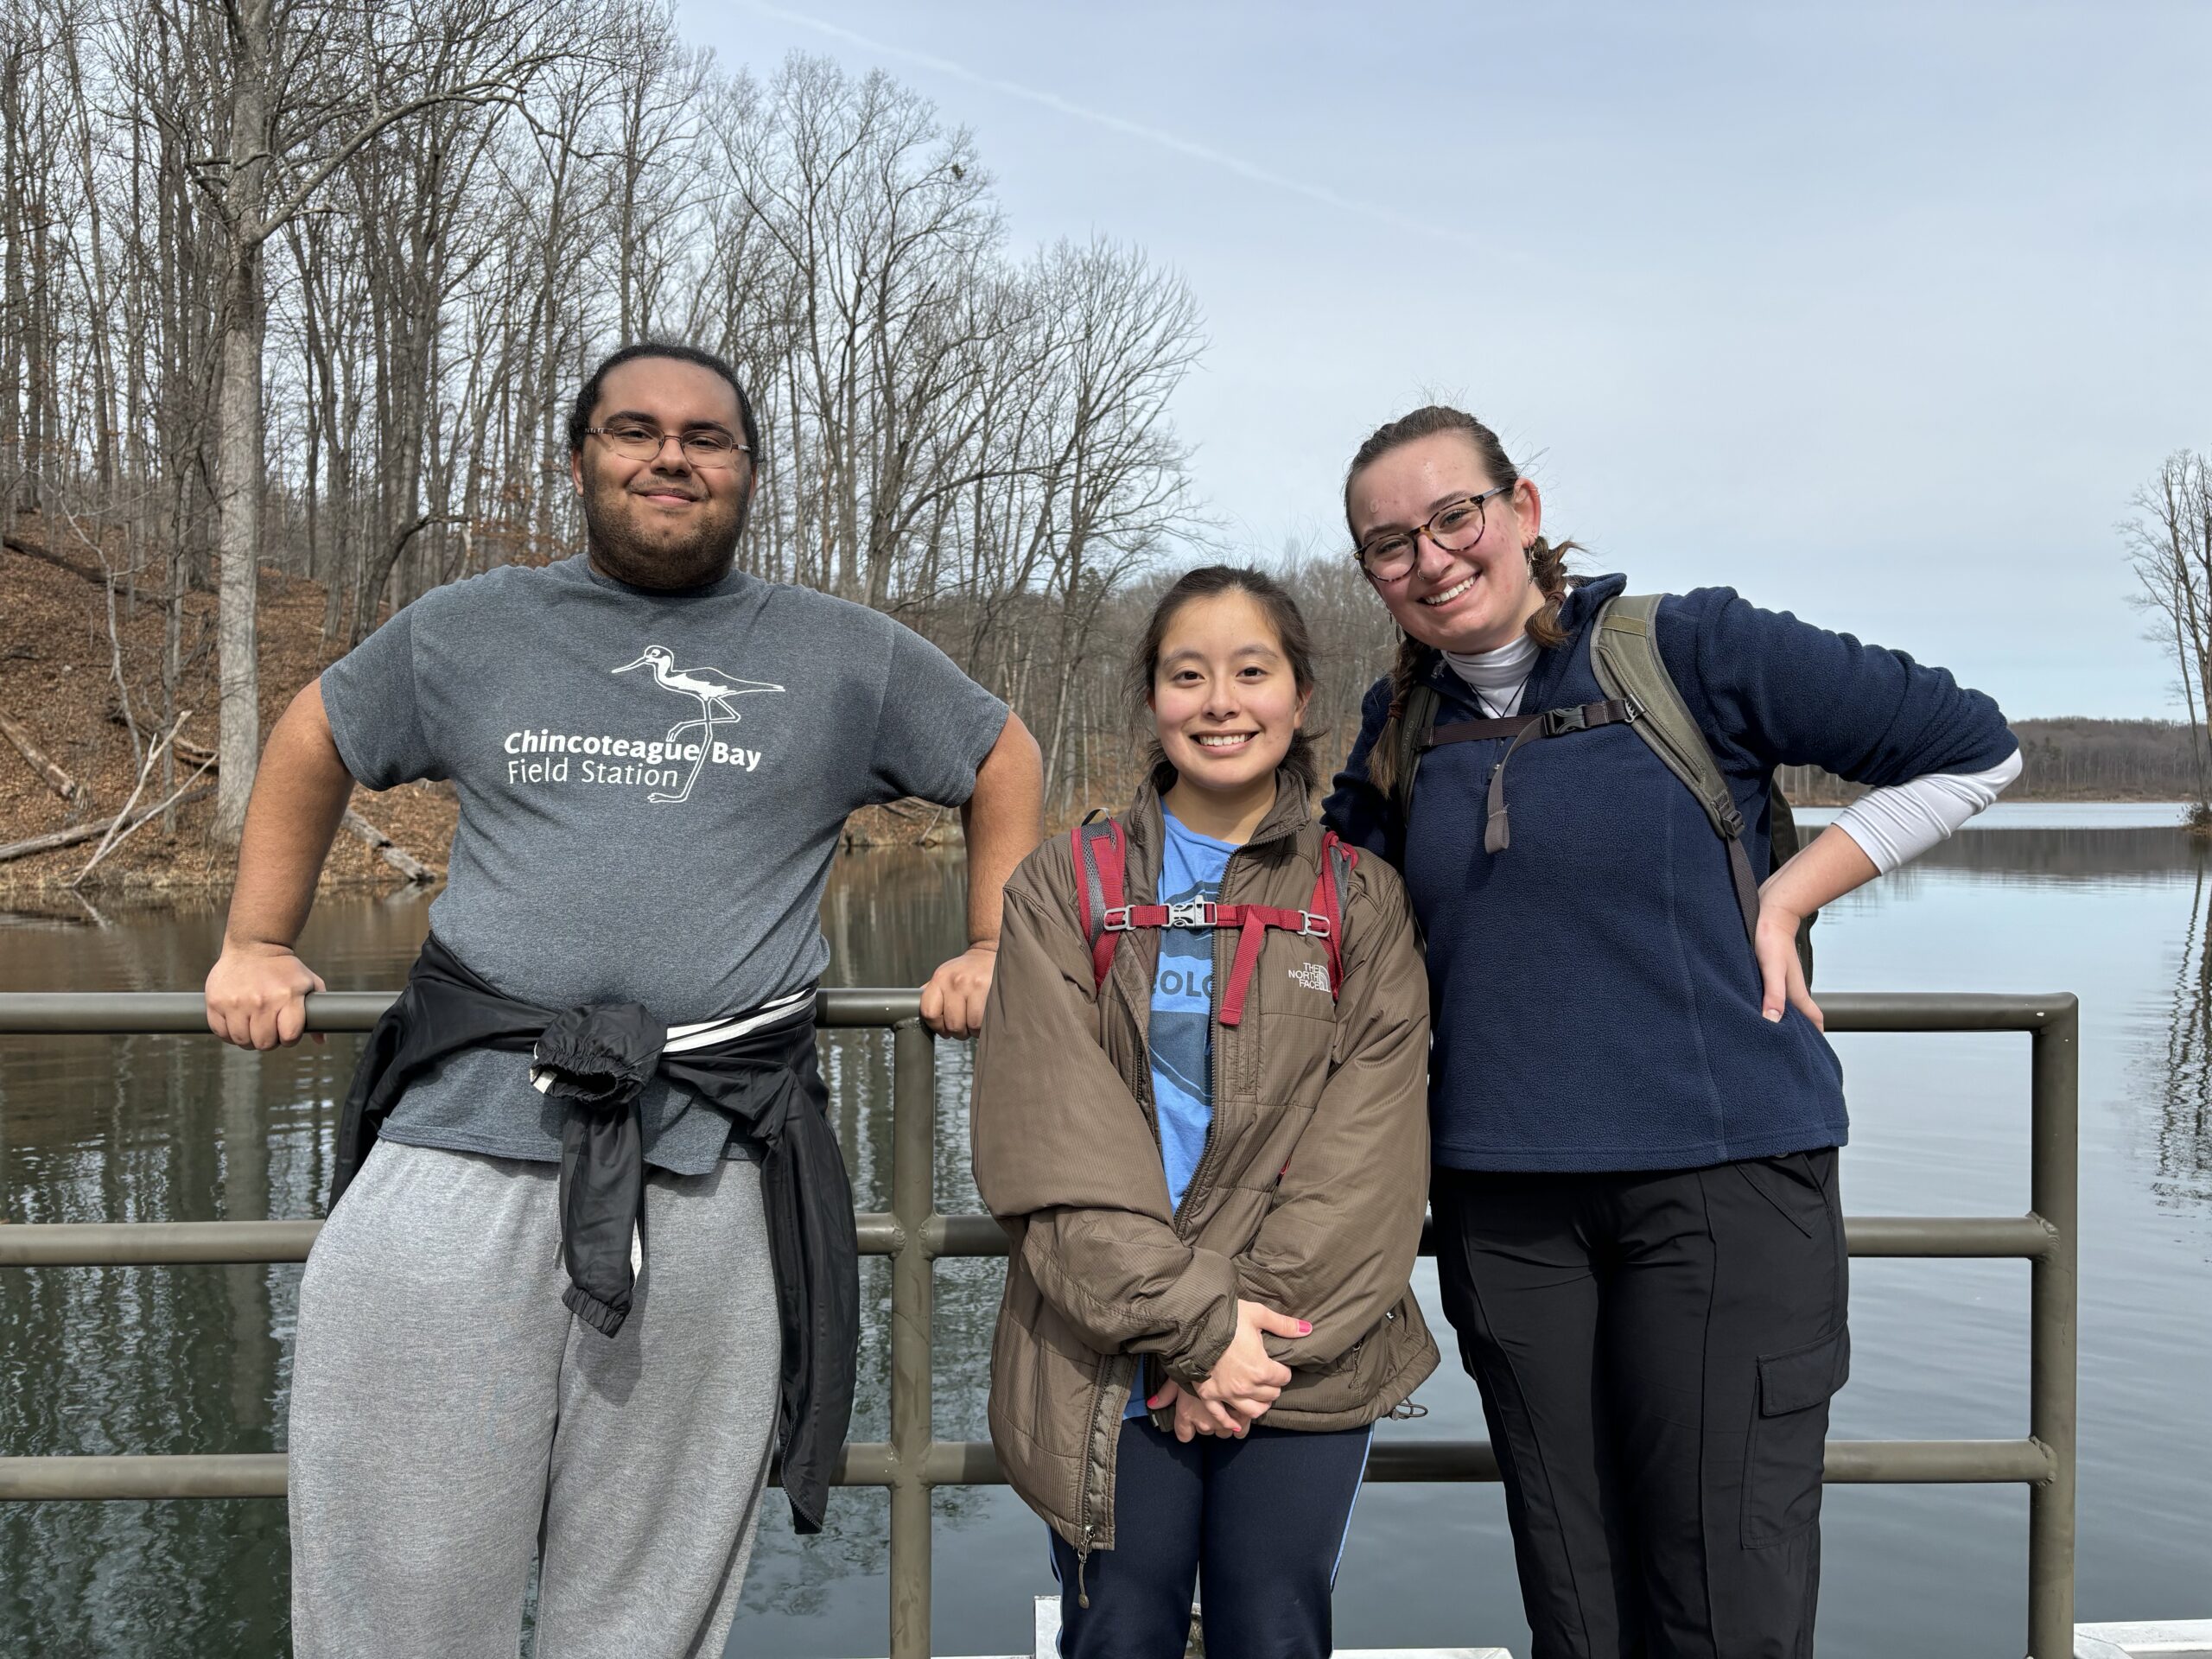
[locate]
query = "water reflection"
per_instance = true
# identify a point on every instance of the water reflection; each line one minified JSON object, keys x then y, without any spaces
{"x":2101,"y":857}
{"x":197,"y":1359}
{"x":2180,"y":1073}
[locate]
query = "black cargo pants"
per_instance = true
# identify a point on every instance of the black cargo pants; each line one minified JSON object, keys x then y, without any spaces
{"x":1656,"y":1351}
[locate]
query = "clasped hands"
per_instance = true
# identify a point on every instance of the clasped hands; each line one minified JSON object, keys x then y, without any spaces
{"x":1244,"y":1382}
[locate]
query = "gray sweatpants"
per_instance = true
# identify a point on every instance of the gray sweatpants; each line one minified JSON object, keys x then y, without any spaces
{"x":449,"y":1417}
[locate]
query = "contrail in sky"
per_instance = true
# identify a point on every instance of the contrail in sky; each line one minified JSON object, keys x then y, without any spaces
{"x":1175,"y":141}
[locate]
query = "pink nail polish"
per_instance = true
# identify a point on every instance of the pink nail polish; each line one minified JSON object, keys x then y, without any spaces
{"x":1305,"y":1328}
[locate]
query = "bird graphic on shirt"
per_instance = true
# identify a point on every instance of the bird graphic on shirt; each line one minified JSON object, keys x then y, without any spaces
{"x":713,"y":689}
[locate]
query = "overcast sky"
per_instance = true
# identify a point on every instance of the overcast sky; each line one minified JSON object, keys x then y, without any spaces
{"x":1878,"y":314}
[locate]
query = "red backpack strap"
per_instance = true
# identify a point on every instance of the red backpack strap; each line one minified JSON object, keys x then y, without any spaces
{"x":1101,"y":886}
{"x":1323,"y":920}
{"x":1253,"y":921}
{"x":1337,"y":860}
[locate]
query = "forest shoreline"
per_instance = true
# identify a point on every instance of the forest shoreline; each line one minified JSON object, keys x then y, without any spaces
{"x":81,"y":704}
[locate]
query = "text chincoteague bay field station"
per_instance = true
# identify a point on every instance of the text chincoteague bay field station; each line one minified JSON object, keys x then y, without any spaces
{"x":550,"y":757}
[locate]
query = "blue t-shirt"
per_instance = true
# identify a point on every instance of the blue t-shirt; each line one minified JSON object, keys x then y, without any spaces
{"x":1190,"y":869}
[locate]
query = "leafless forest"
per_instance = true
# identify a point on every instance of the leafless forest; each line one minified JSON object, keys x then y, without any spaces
{"x":422,"y":220}
{"x":302,"y":286}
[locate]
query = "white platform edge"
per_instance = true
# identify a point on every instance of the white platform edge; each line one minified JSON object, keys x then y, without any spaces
{"x":2175,"y":1639}
{"x":1048,"y":1631}
{"x":2140,"y":1639}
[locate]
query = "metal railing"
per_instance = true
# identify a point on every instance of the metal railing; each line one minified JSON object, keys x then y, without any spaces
{"x":914,"y":1234}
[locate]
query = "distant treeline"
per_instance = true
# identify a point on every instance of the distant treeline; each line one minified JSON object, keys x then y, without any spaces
{"x":2069,"y":759}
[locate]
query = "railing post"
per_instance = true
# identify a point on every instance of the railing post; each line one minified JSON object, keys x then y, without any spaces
{"x":2054,"y":1181}
{"x":913,"y":1203}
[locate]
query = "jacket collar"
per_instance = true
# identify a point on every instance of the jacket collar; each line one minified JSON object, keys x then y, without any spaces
{"x":1291,"y":812}
{"x":1582,"y":603}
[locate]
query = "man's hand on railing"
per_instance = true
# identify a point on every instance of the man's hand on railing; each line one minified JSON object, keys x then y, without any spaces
{"x":257,"y":996}
{"x":952,"y":1001}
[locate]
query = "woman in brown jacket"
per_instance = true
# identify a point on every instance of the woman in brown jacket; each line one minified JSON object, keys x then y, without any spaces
{"x":1208,"y":1143}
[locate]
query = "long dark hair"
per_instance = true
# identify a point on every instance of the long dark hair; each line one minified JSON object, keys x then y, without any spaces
{"x":1292,"y":638}
{"x":1547,"y":563}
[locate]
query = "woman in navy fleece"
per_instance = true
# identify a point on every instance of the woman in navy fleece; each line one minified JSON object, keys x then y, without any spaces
{"x":1634,"y":1114}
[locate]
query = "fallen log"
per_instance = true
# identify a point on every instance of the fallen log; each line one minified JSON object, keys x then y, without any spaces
{"x":48,"y":773}
{"x":417,"y":873}
{"x":47,"y":844}
{"x":108,"y":847}
{"x":61,"y":561}
{"x":92,"y":574}
{"x":145,"y":771}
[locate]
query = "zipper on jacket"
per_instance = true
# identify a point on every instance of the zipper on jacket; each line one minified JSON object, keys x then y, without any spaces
{"x":1191,"y":1193}
{"x":1205,"y":1152}
{"x":1200,"y":1186}
{"x":1082,"y":1491}
{"x":1140,"y":1086}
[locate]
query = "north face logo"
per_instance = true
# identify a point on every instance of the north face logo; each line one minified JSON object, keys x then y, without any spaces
{"x":1310,"y":975}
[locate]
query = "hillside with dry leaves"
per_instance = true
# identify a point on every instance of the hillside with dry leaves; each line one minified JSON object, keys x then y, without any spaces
{"x":69,"y":762}
{"x":72,"y":693}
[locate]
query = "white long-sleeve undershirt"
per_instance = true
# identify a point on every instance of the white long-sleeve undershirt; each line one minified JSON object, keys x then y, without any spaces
{"x":1896,"y":825}
{"x":1892,"y":826}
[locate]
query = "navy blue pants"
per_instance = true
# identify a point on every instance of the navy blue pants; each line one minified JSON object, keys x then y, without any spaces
{"x":1261,"y":1521}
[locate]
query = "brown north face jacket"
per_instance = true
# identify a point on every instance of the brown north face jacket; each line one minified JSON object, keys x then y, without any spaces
{"x":1308,"y":1198}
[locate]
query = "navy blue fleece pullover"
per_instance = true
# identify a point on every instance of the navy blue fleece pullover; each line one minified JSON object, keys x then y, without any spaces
{"x":1596,"y":1003}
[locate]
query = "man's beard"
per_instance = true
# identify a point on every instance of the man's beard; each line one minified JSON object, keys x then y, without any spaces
{"x":691,"y":560}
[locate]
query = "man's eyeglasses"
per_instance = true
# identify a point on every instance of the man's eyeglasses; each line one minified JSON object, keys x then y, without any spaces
{"x":702,"y":446}
{"x":1455,"y":527}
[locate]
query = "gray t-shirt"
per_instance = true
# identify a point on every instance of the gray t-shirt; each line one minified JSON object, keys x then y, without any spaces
{"x":651,"y":786}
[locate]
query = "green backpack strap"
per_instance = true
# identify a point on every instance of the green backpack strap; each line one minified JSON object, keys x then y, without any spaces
{"x":1624,"y":653}
{"x":1416,"y":724}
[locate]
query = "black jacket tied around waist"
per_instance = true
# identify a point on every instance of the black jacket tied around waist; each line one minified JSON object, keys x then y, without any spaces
{"x":598,"y":1059}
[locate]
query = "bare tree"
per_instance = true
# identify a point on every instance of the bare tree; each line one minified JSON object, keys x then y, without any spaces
{"x":287,"y":285}
{"x":2170,"y":547}
{"x":309,"y":85}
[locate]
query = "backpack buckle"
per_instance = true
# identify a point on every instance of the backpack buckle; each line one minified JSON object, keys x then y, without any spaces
{"x":1557,"y":722}
{"x":1190,"y":914}
{"x":1313,"y":926}
{"x":1115,"y":920}
{"x":1631,"y":708}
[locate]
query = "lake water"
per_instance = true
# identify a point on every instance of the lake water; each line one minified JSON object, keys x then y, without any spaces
{"x":2113,"y":903}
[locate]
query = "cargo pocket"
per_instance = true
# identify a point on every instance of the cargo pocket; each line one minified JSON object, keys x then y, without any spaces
{"x":1782,"y":1465}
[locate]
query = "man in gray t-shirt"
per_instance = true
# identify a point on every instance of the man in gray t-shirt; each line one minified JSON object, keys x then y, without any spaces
{"x":600,"y":859}
{"x":654,"y":754}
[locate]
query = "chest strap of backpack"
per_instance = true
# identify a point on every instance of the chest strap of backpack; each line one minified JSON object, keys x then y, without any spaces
{"x":1497,"y":833}
{"x":1625,"y":657}
{"x":1102,"y":871}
